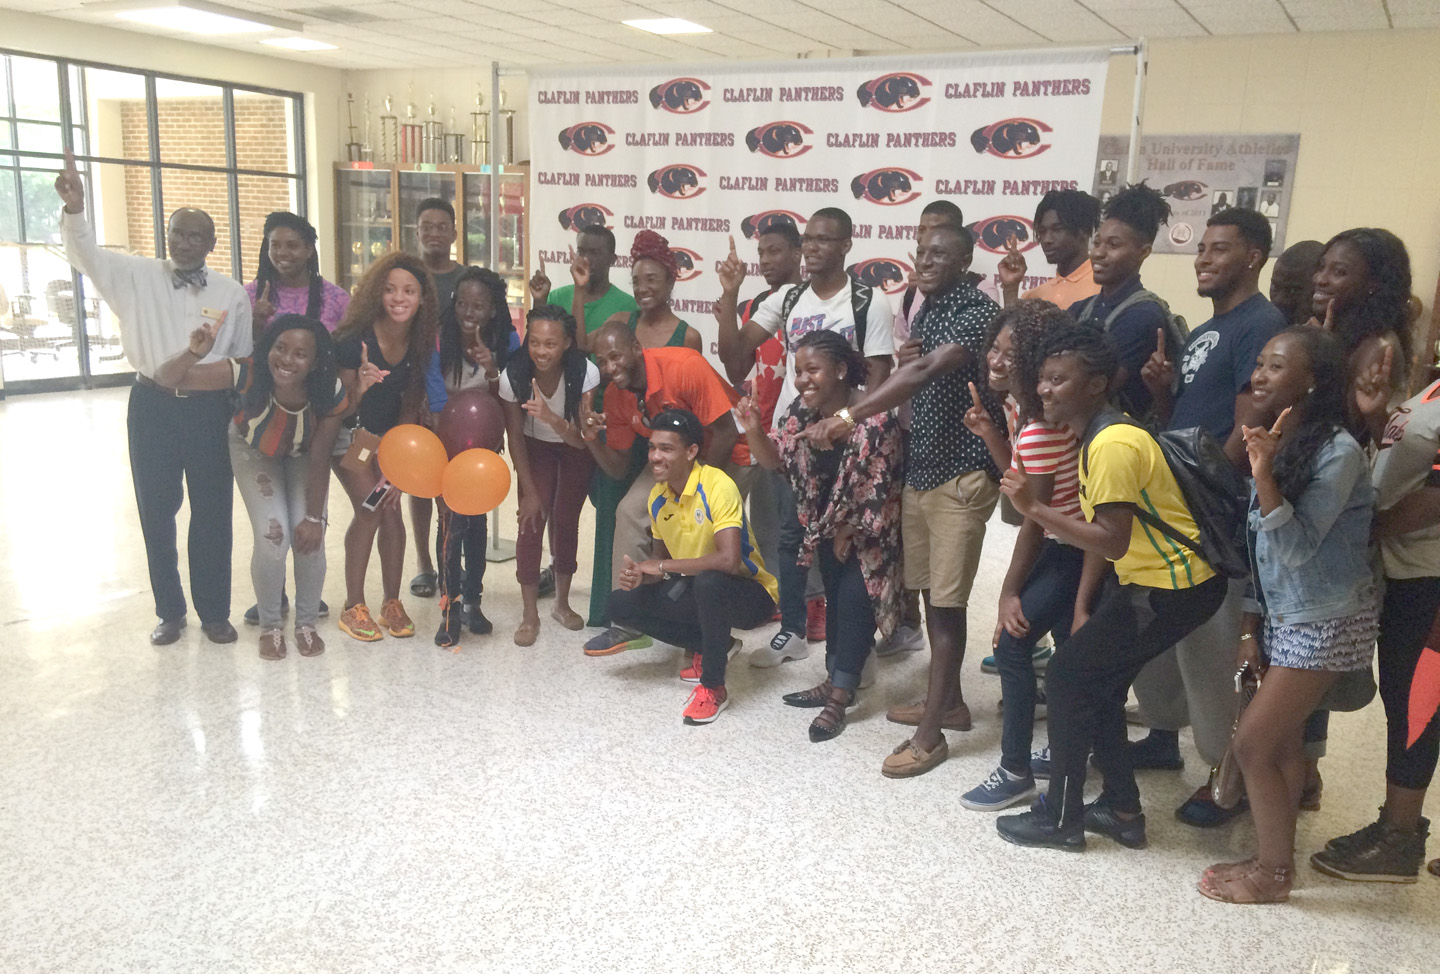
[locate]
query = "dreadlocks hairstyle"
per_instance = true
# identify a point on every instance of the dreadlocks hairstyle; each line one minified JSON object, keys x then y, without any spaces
{"x":1077,"y":210}
{"x":1140,"y":208}
{"x":1032,"y":322}
{"x":1089,"y":346}
{"x":1385,"y":306}
{"x":319,"y":384}
{"x":265,"y":272}
{"x":495,"y":333}
{"x":1323,"y":414}
{"x":649,"y":245}
{"x":837,"y":349}
{"x":368,"y":306}
{"x":521,"y":368}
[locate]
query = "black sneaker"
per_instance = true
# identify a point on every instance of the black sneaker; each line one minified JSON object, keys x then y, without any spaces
{"x":1390,"y":855}
{"x":1101,"y":819}
{"x":1038,"y":828}
{"x":252,"y":614}
{"x":547,"y":583}
{"x":1156,"y":753}
{"x":324,"y":610}
{"x":476,"y":622}
{"x":1365,"y":836}
{"x":448,"y":634}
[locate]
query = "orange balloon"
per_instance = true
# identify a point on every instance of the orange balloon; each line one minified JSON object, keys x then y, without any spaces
{"x":413,"y":459}
{"x":475,"y":482}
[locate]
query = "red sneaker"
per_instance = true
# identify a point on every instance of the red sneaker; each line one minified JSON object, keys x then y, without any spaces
{"x":691,"y":673}
{"x":705,"y":704}
{"x":815,"y":620}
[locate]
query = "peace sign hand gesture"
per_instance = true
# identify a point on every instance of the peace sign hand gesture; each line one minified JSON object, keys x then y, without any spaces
{"x":69,"y":186}
{"x":202,"y":339}
{"x":1372,"y":385}
{"x":591,"y":422}
{"x":1012,"y":266}
{"x":264,"y":306}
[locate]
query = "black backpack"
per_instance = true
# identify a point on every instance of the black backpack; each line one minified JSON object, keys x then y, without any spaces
{"x":1213,"y":490}
{"x":860,"y":297}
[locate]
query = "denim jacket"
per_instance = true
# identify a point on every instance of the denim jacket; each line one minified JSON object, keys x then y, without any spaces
{"x":1311,"y":561}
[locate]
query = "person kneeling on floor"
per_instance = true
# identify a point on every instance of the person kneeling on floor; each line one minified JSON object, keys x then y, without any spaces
{"x":705,"y":575}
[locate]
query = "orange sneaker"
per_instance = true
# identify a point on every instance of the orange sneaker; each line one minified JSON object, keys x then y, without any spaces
{"x":356,"y":623}
{"x":705,"y":704}
{"x":396,"y":622}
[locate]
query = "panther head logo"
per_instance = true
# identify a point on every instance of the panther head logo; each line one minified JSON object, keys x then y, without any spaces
{"x":780,"y":140}
{"x":585,"y":215}
{"x":687,"y":264}
{"x":678,"y":182}
{"x":587,"y":138}
{"x":900,"y":91}
{"x":682,"y":96}
{"x":992,"y":232}
{"x":888,"y":187}
{"x":1014,"y":138}
{"x":882,"y":272}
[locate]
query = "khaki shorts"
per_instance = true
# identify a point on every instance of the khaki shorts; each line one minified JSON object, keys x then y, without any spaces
{"x":943,"y":530}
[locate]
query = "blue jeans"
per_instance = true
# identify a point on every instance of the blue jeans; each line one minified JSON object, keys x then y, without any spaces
{"x":849,"y":616}
{"x":792,"y":576}
{"x":1048,"y":601}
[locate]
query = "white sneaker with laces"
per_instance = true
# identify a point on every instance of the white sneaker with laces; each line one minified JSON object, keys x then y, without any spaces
{"x":785,"y":645}
{"x":905,"y":639}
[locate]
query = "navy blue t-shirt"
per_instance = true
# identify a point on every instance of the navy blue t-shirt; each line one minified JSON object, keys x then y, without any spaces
{"x":1133,"y":335}
{"x":1216,"y":364}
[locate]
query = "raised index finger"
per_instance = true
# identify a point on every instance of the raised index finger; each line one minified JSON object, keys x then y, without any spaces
{"x":1012,"y":244}
{"x":70,"y":167}
{"x":732,"y":246}
{"x":974,"y":393}
{"x":1160,"y":342}
{"x":1279,"y":420}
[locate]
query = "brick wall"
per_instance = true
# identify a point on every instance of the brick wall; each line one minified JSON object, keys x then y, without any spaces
{"x":192,"y":130}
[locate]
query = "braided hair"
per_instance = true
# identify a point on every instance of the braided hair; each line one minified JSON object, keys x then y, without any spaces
{"x":265,"y":272}
{"x":837,"y":349}
{"x":495,"y":333}
{"x":520,"y":370}
{"x":1140,"y":207}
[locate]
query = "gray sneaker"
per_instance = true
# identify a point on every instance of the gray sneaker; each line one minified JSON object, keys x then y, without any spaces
{"x":1390,"y":855}
{"x":785,"y":645}
{"x":905,"y":639}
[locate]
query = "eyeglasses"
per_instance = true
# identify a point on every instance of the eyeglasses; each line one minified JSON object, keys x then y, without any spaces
{"x":189,"y":236}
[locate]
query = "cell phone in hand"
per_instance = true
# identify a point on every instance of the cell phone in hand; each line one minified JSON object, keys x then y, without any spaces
{"x":377,"y":496}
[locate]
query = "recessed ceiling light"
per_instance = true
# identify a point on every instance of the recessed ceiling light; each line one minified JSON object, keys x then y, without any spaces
{"x":300,"y":44}
{"x":667,"y":25}
{"x":191,"y":16}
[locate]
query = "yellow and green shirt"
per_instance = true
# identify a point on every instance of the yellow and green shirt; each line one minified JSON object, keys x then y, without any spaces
{"x":1125,"y":466}
{"x":710,"y":503}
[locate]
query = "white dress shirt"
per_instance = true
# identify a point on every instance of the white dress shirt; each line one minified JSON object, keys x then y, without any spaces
{"x":156,"y":318}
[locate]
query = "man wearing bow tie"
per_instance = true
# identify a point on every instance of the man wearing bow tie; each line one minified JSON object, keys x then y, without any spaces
{"x":177,"y":436}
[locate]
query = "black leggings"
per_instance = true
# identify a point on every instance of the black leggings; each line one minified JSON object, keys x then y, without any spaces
{"x":1405,"y":624}
{"x":1089,"y":678}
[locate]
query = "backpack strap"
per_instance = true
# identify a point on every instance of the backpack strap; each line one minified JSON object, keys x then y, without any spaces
{"x":787,"y":305}
{"x":908,"y":301}
{"x":860,"y":297}
{"x":1113,"y":417}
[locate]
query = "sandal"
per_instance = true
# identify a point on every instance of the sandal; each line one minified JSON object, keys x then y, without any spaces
{"x":813,"y":697}
{"x":1310,"y":795}
{"x":309,"y":641}
{"x":1229,"y":870}
{"x":272,"y":644}
{"x":828,"y":724}
{"x":569,"y":618}
{"x":423,"y":586}
{"x":1434,"y":868}
{"x":1249,"y":887}
{"x":526,"y":633}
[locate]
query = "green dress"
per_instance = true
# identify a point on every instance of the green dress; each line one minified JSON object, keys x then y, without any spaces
{"x":606,"y":493}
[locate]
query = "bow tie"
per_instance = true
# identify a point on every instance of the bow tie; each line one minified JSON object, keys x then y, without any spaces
{"x":194,"y":277}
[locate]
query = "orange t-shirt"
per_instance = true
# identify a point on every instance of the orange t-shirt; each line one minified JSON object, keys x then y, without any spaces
{"x":675,"y":378}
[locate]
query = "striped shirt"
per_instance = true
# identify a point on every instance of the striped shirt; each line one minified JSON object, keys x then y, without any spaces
{"x":1052,"y":451}
{"x":275,"y":431}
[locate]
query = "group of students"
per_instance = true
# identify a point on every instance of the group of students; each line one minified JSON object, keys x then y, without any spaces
{"x":859,"y":454}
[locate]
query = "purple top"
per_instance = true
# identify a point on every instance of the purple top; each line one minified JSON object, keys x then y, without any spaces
{"x":296,"y":300}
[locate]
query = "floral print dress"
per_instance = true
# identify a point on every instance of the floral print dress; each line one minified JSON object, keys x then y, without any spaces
{"x":866,"y":495}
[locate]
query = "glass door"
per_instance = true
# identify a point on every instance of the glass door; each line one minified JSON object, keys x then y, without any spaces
{"x":418,"y":186}
{"x":366,"y":217}
{"x":511,"y":226}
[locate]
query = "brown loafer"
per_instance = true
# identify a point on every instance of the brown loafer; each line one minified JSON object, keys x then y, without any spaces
{"x":910,"y":714}
{"x":167,"y":632}
{"x":907,"y":760}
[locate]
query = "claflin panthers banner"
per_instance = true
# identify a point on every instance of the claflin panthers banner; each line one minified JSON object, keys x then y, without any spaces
{"x":705,"y":152}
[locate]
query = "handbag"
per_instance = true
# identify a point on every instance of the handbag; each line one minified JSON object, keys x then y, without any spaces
{"x":1227,"y":785}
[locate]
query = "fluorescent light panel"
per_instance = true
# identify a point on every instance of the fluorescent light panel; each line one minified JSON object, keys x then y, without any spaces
{"x":667,"y":25}
{"x":191,"y":16}
{"x":300,"y":44}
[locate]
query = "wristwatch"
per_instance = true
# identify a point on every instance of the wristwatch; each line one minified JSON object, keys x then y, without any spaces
{"x":844,"y":416}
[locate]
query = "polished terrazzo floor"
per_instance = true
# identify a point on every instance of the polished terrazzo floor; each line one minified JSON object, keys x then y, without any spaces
{"x":397,"y":807}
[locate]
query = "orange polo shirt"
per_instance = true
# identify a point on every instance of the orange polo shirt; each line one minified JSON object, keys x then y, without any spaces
{"x":675,"y":378}
{"x":1065,"y":291}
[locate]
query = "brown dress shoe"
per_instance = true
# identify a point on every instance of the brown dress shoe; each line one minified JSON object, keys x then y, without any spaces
{"x":907,"y":760}
{"x":220,"y":632}
{"x":957,"y":719}
{"x":167,"y":632}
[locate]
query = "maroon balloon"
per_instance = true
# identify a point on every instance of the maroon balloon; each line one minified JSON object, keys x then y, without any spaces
{"x":472,"y":419}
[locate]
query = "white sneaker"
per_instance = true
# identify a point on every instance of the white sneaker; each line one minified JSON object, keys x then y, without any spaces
{"x":867,"y":675}
{"x":785,"y":645}
{"x":905,"y":639}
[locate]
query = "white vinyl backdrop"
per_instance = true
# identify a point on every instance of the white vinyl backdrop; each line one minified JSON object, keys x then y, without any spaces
{"x":702,"y":156}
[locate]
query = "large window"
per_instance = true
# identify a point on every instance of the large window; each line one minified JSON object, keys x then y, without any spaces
{"x":146,"y":144}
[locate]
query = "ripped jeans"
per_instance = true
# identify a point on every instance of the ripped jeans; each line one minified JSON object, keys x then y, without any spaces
{"x":273,"y":489}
